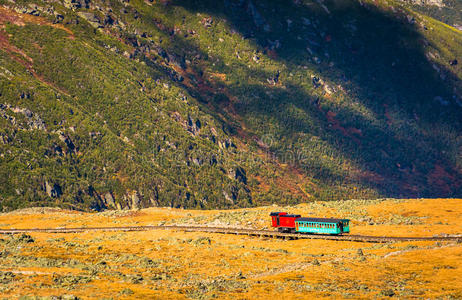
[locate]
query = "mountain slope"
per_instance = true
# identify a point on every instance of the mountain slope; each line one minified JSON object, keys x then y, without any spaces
{"x":223,"y":104}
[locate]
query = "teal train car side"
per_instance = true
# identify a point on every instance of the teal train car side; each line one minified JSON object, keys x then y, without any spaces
{"x":322,"y":225}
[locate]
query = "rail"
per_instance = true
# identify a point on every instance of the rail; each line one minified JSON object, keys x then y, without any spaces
{"x":238,"y":231}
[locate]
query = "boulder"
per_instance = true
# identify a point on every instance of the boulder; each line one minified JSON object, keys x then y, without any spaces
{"x":109,"y":200}
{"x":74,"y":4}
{"x":90,"y":18}
{"x":136,"y":201}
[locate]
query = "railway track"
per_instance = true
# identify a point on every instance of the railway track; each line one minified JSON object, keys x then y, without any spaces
{"x":248,"y":232}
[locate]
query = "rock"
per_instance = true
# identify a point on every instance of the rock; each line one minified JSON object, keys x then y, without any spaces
{"x":240,"y":175}
{"x":410,"y":19}
{"x":317,"y":82}
{"x":196,"y":161}
{"x":74,"y":4}
{"x":57,"y":150}
{"x":275,"y":79}
{"x":108,"y":20}
{"x":226,"y":144}
{"x":207,"y":22}
{"x":90,"y":18}
{"x":135,"y":200}
{"x":387,"y":293}
{"x":94,"y":135}
{"x":453,"y":62}
{"x":58,"y":18}
{"x":53,"y":191}
{"x":109,"y":200}
{"x":227,"y":197}
{"x":194,"y":126}
{"x":70,"y":145}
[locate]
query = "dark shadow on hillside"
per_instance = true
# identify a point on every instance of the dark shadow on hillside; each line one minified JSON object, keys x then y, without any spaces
{"x":380,"y":58}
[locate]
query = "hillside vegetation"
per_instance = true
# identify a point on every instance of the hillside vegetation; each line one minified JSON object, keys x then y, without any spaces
{"x":204,"y":104}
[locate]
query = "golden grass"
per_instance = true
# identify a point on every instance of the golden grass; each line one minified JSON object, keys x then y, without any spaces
{"x":179,"y":265}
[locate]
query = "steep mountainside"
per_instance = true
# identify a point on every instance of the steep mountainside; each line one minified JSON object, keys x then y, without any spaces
{"x":203,"y":104}
{"x":447,"y":11}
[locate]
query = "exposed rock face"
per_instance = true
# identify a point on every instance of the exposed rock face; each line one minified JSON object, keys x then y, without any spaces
{"x":136,"y":201}
{"x":67,"y":140}
{"x":74,"y":4}
{"x":91,"y":18}
{"x":194,"y":126}
{"x":109,"y":200}
{"x":32,"y":119}
{"x":53,"y":190}
{"x":438,"y":3}
{"x":240,"y":175}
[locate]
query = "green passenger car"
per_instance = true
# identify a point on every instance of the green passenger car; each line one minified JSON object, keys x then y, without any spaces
{"x":322,"y":225}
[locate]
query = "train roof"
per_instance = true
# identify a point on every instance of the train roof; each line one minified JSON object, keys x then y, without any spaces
{"x":321,"y":220}
{"x":290,"y":216}
{"x":277,"y":213}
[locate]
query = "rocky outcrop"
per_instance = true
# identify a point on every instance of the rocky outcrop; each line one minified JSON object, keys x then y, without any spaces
{"x":438,"y":3}
{"x":33,"y":121}
{"x":90,"y":18}
{"x":75,"y":4}
{"x":53,"y":190}
{"x":108,"y":199}
{"x":67,"y":140}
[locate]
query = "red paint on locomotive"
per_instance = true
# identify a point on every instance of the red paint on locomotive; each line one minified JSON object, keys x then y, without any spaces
{"x":283,"y":221}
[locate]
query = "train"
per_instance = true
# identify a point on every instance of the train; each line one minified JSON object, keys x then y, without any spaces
{"x":291,"y":223}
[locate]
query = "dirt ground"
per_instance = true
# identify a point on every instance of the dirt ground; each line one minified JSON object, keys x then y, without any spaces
{"x":177,"y":265}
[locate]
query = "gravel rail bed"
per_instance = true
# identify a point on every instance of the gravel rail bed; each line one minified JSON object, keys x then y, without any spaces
{"x":239,"y":231}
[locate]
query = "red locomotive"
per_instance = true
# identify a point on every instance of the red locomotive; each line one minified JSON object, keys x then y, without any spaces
{"x":283,"y":221}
